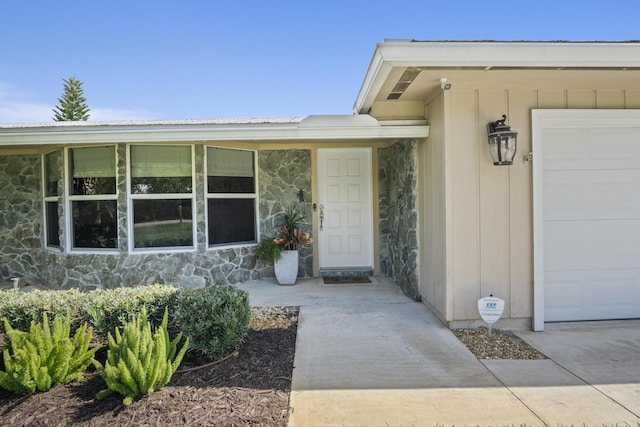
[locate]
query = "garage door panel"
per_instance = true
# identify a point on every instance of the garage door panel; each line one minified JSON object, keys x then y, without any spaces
{"x":591,"y":148}
{"x":592,"y":295}
{"x":587,"y":194}
{"x":589,"y":245}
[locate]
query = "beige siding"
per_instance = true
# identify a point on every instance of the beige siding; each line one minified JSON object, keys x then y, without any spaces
{"x":492,"y":206}
{"x":520,"y":297}
{"x":433,"y":268}
{"x":465,"y":236}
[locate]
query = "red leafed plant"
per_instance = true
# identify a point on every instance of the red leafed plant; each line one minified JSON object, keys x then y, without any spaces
{"x":291,"y":237}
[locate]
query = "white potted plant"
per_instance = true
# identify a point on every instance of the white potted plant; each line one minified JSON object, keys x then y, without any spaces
{"x":283,"y":249}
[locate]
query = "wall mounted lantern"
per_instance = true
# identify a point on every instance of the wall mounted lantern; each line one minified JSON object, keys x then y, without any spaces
{"x":502,"y":142}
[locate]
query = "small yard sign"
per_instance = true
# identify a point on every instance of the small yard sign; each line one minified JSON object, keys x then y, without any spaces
{"x":490,"y":309}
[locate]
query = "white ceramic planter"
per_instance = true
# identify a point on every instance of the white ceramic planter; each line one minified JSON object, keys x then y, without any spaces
{"x":286,"y":268}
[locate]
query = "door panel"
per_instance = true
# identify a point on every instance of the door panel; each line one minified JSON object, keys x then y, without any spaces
{"x":345,"y":234}
{"x":590,"y":221}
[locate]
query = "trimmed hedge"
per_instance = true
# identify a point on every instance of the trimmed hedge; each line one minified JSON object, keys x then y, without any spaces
{"x":109,"y":309}
{"x":215,"y":319}
{"x":22,"y":308}
{"x":104,"y":310}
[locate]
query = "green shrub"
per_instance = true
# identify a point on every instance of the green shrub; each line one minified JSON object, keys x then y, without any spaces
{"x":268,"y":250}
{"x":138,"y":361}
{"x":45,"y":357}
{"x":22,"y":308}
{"x":216,"y":318}
{"x":109,"y":309}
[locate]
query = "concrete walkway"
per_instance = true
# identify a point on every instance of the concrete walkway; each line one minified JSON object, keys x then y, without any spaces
{"x":366,"y":355}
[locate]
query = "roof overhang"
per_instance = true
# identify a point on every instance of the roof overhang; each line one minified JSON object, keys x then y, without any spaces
{"x":312,"y":128}
{"x":491,"y":55}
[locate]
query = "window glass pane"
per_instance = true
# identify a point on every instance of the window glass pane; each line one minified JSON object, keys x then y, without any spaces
{"x":160,"y":185}
{"x":95,"y":224}
{"x":228,"y":184}
{"x":230,"y":171}
{"x":160,"y":169}
{"x":53,"y":224}
{"x":162,"y":223}
{"x":92,"y":170}
{"x":51,"y":174}
{"x":231,"y":221}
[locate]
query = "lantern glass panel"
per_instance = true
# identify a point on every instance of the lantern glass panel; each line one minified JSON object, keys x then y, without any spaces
{"x":502,"y":148}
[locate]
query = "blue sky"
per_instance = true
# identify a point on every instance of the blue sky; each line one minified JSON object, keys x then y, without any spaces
{"x":197,"y":59}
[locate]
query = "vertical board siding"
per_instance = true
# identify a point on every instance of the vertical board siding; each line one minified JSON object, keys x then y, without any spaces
{"x":581,"y":99}
{"x":520,"y":300}
{"x":433,"y":212}
{"x":494,"y":204}
{"x":632,"y":99}
{"x":610,"y":99}
{"x":465,"y":203}
{"x":492,"y":237}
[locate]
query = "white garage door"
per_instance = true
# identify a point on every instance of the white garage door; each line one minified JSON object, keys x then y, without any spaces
{"x":588,"y":180}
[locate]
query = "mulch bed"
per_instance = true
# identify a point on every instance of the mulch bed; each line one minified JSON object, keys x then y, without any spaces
{"x":248,"y":389}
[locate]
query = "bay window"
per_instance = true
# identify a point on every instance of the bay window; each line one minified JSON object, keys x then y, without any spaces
{"x":160,"y":208}
{"x":231,"y":196}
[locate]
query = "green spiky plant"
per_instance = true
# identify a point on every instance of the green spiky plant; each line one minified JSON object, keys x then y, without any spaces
{"x":45,"y":356}
{"x":140,"y":361}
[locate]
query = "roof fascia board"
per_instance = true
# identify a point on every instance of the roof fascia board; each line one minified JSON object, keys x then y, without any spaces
{"x":164,"y":134}
{"x":512,"y":54}
{"x":377,"y":73}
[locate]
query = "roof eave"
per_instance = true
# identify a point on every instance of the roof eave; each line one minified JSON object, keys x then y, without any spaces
{"x":312,"y":128}
{"x":524,"y":55}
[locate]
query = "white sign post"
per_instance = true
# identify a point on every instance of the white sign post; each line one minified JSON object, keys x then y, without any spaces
{"x":490,"y":309}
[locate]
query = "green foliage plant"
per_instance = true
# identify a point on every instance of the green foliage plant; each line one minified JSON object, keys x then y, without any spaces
{"x":290,"y":236}
{"x":109,"y":309}
{"x":268,"y":250}
{"x":215,"y":318}
{"x":45,"y":356}
{"x":22,"y":308}
{"x":140,"y":361}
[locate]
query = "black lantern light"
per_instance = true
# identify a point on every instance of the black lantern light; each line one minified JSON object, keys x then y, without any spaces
{"x":502,"y":142}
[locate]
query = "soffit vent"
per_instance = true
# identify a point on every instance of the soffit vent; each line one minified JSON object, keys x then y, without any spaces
{"x":403,"y":83}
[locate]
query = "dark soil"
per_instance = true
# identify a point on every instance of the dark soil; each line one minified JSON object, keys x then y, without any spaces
{"x":250,"y":388}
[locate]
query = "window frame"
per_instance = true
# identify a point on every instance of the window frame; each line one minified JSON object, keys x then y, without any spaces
{"x":253,"y":196}
{"x":70,"y":198}
{"x":50,"y":199}
{"x":132,"y":197}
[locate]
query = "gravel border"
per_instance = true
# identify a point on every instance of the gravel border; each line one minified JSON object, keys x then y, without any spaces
{"x":502,"y":344}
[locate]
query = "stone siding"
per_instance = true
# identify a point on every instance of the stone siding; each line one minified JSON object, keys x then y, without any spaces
{"x":281,"y":174}
{"x":398,"y":178}
{"x":20,"y":217}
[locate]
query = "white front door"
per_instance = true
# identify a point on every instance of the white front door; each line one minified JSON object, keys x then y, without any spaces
{"x":345,"y":208}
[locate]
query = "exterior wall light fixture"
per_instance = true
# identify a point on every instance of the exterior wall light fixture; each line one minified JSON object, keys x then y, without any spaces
{"x":502,"y":142}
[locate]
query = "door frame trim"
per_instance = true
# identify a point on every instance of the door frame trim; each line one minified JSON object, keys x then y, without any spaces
{"x":375,"y":203}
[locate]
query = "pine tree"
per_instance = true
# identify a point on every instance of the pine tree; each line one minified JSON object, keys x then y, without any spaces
{"x":72,"y":105}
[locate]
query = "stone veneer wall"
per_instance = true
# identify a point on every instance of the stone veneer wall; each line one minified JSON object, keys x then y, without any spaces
{"x":20,"y":217}
{"x":282,"y":174}
{"x":398,"y":179}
